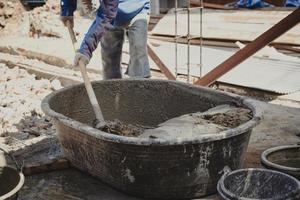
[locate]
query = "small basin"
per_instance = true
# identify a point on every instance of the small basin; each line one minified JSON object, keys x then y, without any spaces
{"x":11,"y":181}
{"x":284,"y":159}
{"x":258,"y":184}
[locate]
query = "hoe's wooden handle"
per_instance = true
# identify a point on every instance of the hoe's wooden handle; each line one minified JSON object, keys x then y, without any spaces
{"x":87,"y":82}
{"x":91,"y":93}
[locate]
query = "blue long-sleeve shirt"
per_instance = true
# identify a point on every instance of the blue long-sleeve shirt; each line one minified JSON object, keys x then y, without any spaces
{"x":111,"y":13}
{"x":261,"y":3}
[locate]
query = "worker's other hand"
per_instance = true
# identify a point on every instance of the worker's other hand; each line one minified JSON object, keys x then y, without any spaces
{"x":79,"y":57}
{"x":67,"y":19}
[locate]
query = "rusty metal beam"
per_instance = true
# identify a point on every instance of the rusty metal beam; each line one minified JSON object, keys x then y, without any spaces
{"x":263,"y":40}
{"x":163,"y":68}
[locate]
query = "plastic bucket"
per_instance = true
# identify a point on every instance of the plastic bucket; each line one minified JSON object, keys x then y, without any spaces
{"x":11,"y":181}
{"x":258,"y":184}
{"x":285,"y":159}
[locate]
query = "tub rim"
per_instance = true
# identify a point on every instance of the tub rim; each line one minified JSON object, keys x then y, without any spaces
{"x":221,"y":187}
{"x":256,"y":110}
{"x":268,"y":163}
{"x":20,"y":184}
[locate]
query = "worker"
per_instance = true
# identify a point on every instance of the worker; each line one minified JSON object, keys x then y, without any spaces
{"x":114,"y":19}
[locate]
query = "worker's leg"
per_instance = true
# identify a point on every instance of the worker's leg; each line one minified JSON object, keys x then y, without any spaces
{"x":111,"y":51}
{"x":137,"y":36}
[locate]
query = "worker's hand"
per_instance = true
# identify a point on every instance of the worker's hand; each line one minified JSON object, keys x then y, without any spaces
{"x":67,"y":19}
{"x":79,"y":57}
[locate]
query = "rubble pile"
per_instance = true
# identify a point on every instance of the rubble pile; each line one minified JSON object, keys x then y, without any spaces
{"x":10,"y":12}
{"x":43,"y":21}
{"x":21,"y":93}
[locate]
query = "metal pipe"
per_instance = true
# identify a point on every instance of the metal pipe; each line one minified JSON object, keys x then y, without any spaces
{"x":155,"y":7}
{"x":201,"y":37}
{"x":189,"y":40}
{"x":176,"y":38}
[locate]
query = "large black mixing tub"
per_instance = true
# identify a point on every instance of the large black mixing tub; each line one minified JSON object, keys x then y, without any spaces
{"x":152,"y":168}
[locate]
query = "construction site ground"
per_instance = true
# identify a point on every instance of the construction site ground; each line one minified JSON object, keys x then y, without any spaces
{"x":36,"y":56}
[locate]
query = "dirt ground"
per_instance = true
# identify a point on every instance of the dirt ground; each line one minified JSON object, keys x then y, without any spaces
{"x":35,"y":59}
{"x":72,"y":185}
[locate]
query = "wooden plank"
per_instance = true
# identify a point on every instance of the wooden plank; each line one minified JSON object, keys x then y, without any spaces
{"x":37,"y":168}
{"x":164,"y":69}
{"x":64,"y":79}
{"x":250,"y":49}
{"x":205,"y":42}
{"x":288,"y":48}
{"x":196,"y":3}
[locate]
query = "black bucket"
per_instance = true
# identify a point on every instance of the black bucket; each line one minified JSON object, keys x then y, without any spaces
{"x":11,"y":181}
{"x":285,"y":159}
{"x":258,"y":184}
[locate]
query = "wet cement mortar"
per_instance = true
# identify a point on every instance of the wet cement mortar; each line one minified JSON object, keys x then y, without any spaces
{"x":214,"y":120}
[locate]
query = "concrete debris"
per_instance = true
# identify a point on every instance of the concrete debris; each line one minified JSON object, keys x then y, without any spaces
{"x":10,"y":13}
{"x":56,"y":85}
{"x":212,"y":121}
{"x":21,"y":117}
{"x":43,"y":21}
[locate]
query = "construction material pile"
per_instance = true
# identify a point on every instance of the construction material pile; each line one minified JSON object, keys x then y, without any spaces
{"x":212,"y":121}
{"x":43,"y":21}
{"x":21,"y":116}
{"x":10,"y":13}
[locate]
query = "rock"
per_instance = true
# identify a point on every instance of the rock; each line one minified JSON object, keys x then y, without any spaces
{"x":8,"y":12}
{"x":56,"y":85}
{"x":25,"y":25}
{"x":2,"y":22}
{"x":2,"y":159}
{"x":19,"y":135}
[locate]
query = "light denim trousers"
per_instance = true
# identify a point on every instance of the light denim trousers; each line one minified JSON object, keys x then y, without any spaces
{"x":111,"y":49}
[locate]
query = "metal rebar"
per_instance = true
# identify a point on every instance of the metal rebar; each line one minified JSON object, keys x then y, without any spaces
{"x":201,"y":38}
{"x":176,"y":38}
{"x":188,"y":40}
